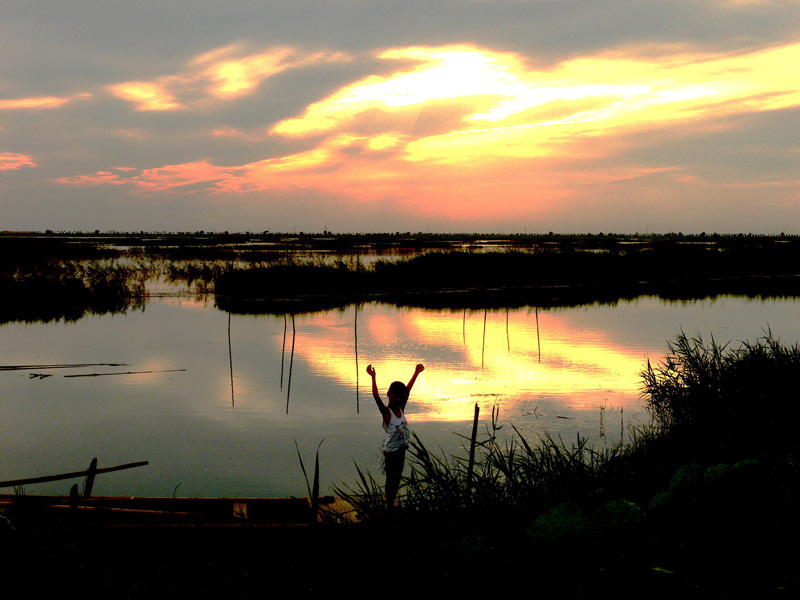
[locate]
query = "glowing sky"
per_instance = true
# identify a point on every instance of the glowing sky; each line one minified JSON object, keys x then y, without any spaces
{"x":471,"y":115}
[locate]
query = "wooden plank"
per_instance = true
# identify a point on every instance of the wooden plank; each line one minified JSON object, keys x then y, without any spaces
{"x":46,"y":478}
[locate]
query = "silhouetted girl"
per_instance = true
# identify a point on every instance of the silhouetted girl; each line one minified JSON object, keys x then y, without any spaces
{"x":395,"y":425}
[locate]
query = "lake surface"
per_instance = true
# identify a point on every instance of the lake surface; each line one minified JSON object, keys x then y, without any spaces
{"x":217,"y":402}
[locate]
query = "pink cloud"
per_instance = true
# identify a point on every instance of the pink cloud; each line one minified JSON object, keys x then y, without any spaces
{"x":183,"y":178}
{"x":9,"y":161}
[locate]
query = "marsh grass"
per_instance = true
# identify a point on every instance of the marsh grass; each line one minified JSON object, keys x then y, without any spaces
{"x":718,"y":401}
{"x":271,"y":272}
{"x":313,"y":488}
{"x":508,"y":478}
{"x":543,"y":276}
{"x":56,"y":289}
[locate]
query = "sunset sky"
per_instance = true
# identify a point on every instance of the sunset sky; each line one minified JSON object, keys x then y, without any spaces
{"x":452,"y":116}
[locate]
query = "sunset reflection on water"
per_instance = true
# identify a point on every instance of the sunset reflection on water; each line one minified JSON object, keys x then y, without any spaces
{"x":219,"y":403}
{"x":498,"y":357}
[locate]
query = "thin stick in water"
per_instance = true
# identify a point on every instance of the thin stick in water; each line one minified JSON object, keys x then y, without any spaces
{"x":355,"y":337}
{"x":508,"y":340}
{"x":471,"y":464}
{"x":230,"y":358}
{"x":283,"y":351}
{"x":66,"y":366}
{"x":125,"y":373}
{"x":291,"y":364}
{"x":483,"y":344}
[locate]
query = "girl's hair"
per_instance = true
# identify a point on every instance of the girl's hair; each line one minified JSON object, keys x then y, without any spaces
{"x":399,"y":389}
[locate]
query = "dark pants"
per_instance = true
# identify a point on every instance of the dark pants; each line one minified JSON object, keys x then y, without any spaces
{"x":394,"y":470}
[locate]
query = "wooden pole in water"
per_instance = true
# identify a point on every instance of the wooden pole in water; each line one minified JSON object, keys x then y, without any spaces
{"x":355,"y":338}
{"x":90,"y":474}
{"x":291,"y":364}
{"x":472,"y":444}
{"x":230,"y":358}
{"x":483,"y":343}
{"x":283,"y":351}
{"x":508,"y":339}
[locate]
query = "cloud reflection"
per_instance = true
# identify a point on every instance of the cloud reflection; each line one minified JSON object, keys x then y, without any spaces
{"x":581,"y":366}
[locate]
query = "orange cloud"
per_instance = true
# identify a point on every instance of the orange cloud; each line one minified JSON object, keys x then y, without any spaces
{"x":221,"y":74}
{"x":10,"y":161}
{"x":39,"y":102}
{"x":148,"y":95}
{"x":500,"y":108}
{"x":230,"y":76}
{"x":470,"y":131}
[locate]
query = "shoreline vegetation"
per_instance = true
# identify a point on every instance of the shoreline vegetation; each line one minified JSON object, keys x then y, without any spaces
{"x":64,"y":276}
{"x":701,"y":503}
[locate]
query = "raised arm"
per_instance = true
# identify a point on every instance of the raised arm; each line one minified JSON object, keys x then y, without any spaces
{"x":381,"y":406}
{"x":417,"y":370}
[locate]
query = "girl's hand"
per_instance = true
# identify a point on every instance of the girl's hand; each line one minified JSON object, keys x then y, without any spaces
{"x":370,"y":370}
{"x":419,"y":369}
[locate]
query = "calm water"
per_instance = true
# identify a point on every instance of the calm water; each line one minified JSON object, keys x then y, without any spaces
{"x":218,"y":414}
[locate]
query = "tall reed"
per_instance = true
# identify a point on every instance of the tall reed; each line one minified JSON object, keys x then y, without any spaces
{"x":723,"y":401}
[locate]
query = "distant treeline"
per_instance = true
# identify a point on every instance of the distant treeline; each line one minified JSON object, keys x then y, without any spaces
{"x":202,"y":244}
